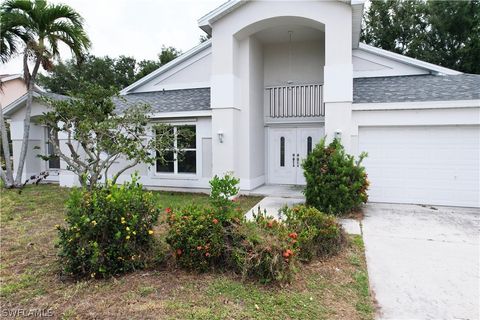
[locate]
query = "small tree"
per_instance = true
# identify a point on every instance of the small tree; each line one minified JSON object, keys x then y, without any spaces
{"x":94,"y":136}
{"x":38,"y":28}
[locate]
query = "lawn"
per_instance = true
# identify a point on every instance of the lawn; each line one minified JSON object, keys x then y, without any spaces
{"x":30,"y":277}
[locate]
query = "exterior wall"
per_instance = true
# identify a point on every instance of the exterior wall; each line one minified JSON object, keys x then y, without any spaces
{"x":366,"y":64}
{"x":36,"y":143}
{"x":35,"y":165}
{"x":150,"y":178}
{"x":413,"y":114}
{"x":308,"y":59}
{"x":193,"y":73}
{"x":250,"y":138}
{"x":11,"y":91}
{"x":230,"y":75}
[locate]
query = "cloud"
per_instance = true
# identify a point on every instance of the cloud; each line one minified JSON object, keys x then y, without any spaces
{"x":135,"y":28}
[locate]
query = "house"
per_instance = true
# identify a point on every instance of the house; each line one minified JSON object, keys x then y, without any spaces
{"x":276,"y":77}
{"x":12,"y":87}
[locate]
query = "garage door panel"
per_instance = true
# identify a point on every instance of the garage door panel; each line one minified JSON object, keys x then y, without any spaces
{"x":429,"y":165}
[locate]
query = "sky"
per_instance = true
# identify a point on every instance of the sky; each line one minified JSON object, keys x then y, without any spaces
{"x":135,"y":28}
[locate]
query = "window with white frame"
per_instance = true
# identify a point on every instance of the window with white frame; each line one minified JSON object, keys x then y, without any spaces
{"x":54,"y":161}
{"x":181,"y":156}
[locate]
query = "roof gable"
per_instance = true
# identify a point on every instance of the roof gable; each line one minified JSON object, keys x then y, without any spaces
{"x":407,"y":61}
{"x":205,"y":23}
{"x":186,"y":58}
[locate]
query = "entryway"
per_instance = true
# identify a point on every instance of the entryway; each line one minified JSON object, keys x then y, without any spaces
{"x":287,"y":147}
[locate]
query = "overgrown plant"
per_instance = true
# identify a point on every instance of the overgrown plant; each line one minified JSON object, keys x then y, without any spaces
{"x":197,"y":237}
{"x":97,"y":136}
{"x":109,"y":229}
{"x":316,"y":234}
{"x":263,"y":250}
{"x":336,"y":182}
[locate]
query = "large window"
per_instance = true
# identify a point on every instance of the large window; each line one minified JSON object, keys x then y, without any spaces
{"x":181,"y":155}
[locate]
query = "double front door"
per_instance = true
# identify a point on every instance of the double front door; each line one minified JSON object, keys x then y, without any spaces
{"x":286,"y":151}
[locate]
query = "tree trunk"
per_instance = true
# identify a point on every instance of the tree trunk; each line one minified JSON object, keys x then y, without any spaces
{"x":30,"y":79}
{"x":7,"y":177}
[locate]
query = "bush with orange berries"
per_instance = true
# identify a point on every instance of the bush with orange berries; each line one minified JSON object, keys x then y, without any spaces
{"x":316,"y":234}
{"x":196,"y":236}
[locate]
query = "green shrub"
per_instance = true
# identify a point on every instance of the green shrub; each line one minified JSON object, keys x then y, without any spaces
{"x":109,"y":229}
{"x":196,"y":237}
{"x":336,"y":183}
{"x":222,"y":191}
{"x":261,"y":249}
{"x":202,"y":238}
{"x":317,"y":234}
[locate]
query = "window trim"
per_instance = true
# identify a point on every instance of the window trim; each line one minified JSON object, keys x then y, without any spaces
{"x":47,"y":152}
{"x":175,"y":174}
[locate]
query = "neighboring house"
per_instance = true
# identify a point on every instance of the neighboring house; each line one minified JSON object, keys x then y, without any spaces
{"x":12,"y":88}
{"x":276,"y":77}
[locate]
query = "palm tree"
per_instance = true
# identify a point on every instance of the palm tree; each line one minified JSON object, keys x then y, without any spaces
{"x":38,"y":27}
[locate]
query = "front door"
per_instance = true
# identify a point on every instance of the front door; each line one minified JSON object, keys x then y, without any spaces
{"x":287,"y":149}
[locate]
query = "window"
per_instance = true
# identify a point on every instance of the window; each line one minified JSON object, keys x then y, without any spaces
{"x":309,"y":145}
{"x":282,"y":152}
{"x":181,"y":156}
{"x":54,"y":161}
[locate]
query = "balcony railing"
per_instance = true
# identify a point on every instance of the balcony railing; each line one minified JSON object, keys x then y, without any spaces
{"x":295,"y":101}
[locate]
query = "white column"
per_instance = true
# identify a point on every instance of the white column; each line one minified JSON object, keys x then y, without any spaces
{"x":338,"y":75}
{"x":224,"y":103}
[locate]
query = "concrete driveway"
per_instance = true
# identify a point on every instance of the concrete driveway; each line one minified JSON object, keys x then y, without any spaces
{"x":423,"y":262}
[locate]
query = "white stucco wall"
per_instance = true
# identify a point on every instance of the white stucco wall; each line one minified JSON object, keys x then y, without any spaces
{"x":149,"y":176}
{"x":35,"y":165}
{"x":230,"y":76}
{"x":193,"y":73}
{"x":36,"y":143}
{"x":366,"y":64}
{"x":433,"y":113}
{"x":307,"y":61}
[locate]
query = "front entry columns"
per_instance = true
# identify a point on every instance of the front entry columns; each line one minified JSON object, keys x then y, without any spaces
{"x":338,"y":83}
{"x":224,"y":104}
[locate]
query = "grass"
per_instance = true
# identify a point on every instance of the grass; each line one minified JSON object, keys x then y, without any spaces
{"x":336,"y":288}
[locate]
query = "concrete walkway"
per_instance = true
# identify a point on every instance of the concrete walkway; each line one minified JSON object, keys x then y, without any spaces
{"x":423,"y":262}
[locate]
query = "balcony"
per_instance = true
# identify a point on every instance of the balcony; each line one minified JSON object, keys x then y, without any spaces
{"x":294,"y":101}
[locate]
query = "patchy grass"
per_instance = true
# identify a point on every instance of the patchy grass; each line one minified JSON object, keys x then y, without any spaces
{"x":30,"y":279}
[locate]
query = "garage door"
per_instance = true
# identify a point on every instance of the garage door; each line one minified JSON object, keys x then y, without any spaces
{"x":425,"y":165}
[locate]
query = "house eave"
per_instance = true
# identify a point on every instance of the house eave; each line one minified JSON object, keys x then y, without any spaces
{"x":205,"y":23}
{"x":416,"y":105}
{"x":16,"y":105}
{"x":180,"y":114}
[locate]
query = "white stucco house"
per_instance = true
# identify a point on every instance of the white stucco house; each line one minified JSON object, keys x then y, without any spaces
{"x":276,"y":77}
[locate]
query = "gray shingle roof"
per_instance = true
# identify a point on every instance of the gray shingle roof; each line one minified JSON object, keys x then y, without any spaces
{"x":365,"y":90}
{"x":416,"y":88}
{"x":54,"y":96}
{"x":169,"y":101}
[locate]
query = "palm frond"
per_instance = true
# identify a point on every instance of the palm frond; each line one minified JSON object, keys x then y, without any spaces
{"x":39,"y":27}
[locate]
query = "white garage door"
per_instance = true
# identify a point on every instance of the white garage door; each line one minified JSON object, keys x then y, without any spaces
{"x":427,"y":165}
